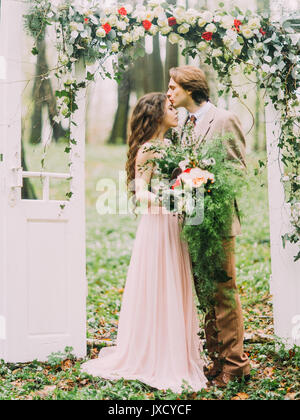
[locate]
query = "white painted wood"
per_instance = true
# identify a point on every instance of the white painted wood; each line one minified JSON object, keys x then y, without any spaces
{"x":285,"y":281}
{"x":42,"y":247}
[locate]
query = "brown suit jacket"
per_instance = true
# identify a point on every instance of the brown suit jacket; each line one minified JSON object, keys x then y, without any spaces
{"x":218,"y":121}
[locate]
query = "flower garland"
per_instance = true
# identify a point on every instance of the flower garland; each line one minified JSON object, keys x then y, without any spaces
{"x":225,"y":40}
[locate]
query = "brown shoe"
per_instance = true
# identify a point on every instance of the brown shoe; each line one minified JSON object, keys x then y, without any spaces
{"x":212,"y":371}
{"x":222,"y":380}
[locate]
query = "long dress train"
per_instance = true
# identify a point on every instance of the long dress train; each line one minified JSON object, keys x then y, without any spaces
{"x":157,"y":341}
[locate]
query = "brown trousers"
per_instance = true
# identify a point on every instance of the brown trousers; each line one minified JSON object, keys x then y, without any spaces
{"x":224,"y":325}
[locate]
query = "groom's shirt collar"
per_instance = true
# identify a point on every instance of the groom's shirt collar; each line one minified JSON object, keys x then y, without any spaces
{"x":201,"y":111}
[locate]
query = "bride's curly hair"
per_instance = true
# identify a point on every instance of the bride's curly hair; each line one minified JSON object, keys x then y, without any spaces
{"x":146,"y":118}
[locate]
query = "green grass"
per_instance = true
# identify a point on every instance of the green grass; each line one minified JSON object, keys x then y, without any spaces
{"x":275,"y":371}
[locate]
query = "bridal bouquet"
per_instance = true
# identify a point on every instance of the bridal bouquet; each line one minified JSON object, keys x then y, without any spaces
{"x":198,"y":182}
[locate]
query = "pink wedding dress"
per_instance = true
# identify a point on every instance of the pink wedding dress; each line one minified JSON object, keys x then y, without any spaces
{"x":157,"y":341}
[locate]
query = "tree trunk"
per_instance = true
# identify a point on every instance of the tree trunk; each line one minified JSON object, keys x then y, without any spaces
{"x":42,"y":93}
{"x":119,"y":131}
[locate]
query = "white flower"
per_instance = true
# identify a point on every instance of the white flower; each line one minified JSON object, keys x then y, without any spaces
{"x":227,"y":22}
{"x":165,"y":30}
{"x":158,"y":11}
{"x":236,"y":49}
{"x":201,"y":22}
{"x":179,"y":14}
{"x":184,"y":28}
{"x":232,"y":35}
{"x":101,"y":33}
{"x":247,"y":32}
{"x":121,"y":25}
{"x":115,"y":47}
{"x":74,"y":34}
{"x":254,"y":23}
{"x":112,"y":10}
{"x":63,"y":59}
{"x":73,"y":26}
{"x":202,"y":46}
{"x":127,"y":38}
{"x":153,"y":30}
{"x":162,"y":21}
{"x":268,"y":59}
{"x":138,"y":33}
{"x":211,"y":28}
{"x":174,"y":38}
{"x":265,"y":68}
{"x":113,"y":20}
{"x":154,"y":3}
{"x":191,"y":16}
{"x":227,"y":41}
{"x":217,"y":52}
{"x":207,"y":16}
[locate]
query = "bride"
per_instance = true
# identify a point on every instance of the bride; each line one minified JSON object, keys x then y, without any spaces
{"x":157,"y":341}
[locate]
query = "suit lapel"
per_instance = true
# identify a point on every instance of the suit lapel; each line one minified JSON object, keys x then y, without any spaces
{"x":202,"y":128}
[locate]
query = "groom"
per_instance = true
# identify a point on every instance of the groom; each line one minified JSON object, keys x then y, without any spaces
{"x":224,"y":326}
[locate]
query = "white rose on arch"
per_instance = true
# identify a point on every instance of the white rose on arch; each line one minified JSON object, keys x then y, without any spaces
{"x":211,"y":28}
{"x":227,"y":22}
{"x":174,"y":38}
{"x":207,"y":16}
{"x":101,"y":33}
{"x":165,"y":30}
{"x":254,"y":23}
{"x":247,"y":32}
{"x":180,"y":15}
{"x":183,"y":29}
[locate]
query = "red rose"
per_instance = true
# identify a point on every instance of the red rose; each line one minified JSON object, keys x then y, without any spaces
{"x":86,"y":20}
{"x":172,"y":21}
{"x":147,"y":24}
{"x":107,"y":27}
{"x":237,"y":24}
{"x":122,"y":11}
{"x":188,"y":170}
{"x":262,"y":31}
{"x":207,"y":36}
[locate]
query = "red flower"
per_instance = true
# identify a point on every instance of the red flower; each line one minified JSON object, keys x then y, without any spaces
{"x":262,"y":31}
{"x":147,"y":24}
{"x":207,"y":36}
{"x":237,"y":23}
{"x":172,"y":21}
{"x":107,"y":27}
{"x":187,"y":171}
{"x":122,"y":11}
{"x":86,"y":20}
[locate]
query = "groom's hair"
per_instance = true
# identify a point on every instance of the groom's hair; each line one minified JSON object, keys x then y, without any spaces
{"x":193,"y":79}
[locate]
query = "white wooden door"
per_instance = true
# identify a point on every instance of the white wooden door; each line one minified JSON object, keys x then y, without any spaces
{"x":285,"y":280}
{"x":42,"y":248}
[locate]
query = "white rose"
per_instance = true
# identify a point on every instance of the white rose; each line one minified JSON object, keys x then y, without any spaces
{"x":73,"y":26}
{"x":154,"y":3}
{"x":207,"y":16}
{"x":227,"y":22}
{"x":113,"y":20}
{"x":184,"y":28}
{"x":63,"y":59}
{"x":211,"y":28}
{"x":265,"y":68}
{"x":158,"y":11}
{"x":201,"y":22}
{"x":247,"y":32}
{"x":162,"y":21}
{"x":103,"y":20}
{"x":101,"y":33}
{"x":227,"y":41}
{"x":179,"y":14}
{"x":254,"y":23}
{"x":174,"y":38}
{"x":232,"y":35}
{"x":153,"y":30}
{"x":191,"y":16}
{"x":111,"y":10}
{"x":165,"y":30}
{"x":74,"y":34}
{"x":121,"y":25}
{"x":236,"y":49}
{"x":202,"y":46}
{"x":127,"y":38}
{"x":115,"y":47}
{"x":217,"y":52}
